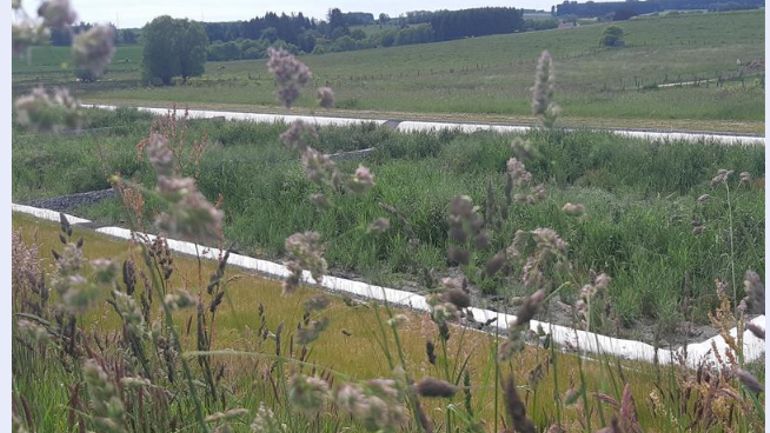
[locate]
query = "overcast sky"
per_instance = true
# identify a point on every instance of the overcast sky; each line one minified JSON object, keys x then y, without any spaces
{"x":138,"y":12}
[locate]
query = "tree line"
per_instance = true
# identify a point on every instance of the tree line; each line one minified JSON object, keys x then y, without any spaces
{"x":630,"y":8}
{"x":180,"y":47}
{"x":298,"y":34}
{"x":62,"y":37}
{"x":449,"y":25}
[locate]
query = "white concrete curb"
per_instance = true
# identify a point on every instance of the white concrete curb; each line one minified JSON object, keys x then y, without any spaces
{"x":697,"y":353}
{"x":419,"y":126}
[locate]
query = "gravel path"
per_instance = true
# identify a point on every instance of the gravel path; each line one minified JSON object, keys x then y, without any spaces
{"x":66,"y":202}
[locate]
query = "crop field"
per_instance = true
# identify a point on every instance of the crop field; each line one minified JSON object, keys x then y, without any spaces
{"x":489,"y":78}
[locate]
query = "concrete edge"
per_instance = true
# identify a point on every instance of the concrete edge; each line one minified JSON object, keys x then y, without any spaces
{"x":427,"y":126}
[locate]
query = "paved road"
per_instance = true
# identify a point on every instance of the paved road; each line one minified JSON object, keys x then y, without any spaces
{"x":411,"y":126}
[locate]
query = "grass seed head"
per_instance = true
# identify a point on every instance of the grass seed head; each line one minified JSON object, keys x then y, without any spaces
{"x":754,"y":302}
{"x":380,"y":225}
{"x":106,"y":407}
{"x":308,"y":334}
{"x":745,"y":177}
{"x":326,"y":97}
{"x":749,"y":381}
{"x":290,"y":75}
{"x":264,"y":421}
{"x":515,"y":408}
{"x":180,"y":299}
{"x":721,"y":177}
{"x":92,"y":51}
{"x":57,"y":14}
{"x":48,"y":111}
{"x":308,"y":393}
{"x":229,"y":415}
{"x":542,"y":92}
{"x":160,"y":155}
{"x":431,"y":387}
{"x":457,"y":297}
{"x":298,"y":136}
{"x":27,"y":33}
{"x":305,"y":251}
{"x":362,"y":181}
{"x":575,"y":209}
{"x":398,"y":320}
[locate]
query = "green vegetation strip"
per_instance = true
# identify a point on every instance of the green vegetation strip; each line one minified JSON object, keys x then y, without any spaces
{"x":641,"y":201}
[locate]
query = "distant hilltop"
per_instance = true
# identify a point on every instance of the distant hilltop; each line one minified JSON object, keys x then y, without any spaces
{"x":596,"y":9}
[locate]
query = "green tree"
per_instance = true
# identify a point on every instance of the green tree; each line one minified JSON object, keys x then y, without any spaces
{"x":612,"y":37}
{"x":193,"y":45}
{"x":270,"y":34}
{"x":358,"y":34}
{"x":172,"y":48}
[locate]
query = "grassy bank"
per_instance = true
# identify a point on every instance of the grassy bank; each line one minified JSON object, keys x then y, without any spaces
{"x":254,"y":368}
{"x":640,"y":199}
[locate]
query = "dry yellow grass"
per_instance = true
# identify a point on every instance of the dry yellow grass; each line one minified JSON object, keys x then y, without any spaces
{"x":348,"y":346}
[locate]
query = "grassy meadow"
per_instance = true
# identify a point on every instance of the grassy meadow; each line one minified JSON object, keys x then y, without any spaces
{"x":252,"y":365}
{"x":488,"y":78}
{"x":641,"y":200}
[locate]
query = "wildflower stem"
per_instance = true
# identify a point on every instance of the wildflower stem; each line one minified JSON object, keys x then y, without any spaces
{"x":159,"y":282}
{"x":556,"y":396}
{"x":497,"y":375}
{"x":384,"y":344}
{"x":445,"y":361}
{"x":411,"y":397}
{"x":583,"y":392}
{"x":732,"y":249}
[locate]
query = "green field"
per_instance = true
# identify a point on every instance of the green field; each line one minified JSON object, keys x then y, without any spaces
{"x":640,"y":196}
{"x":488,"y":78}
